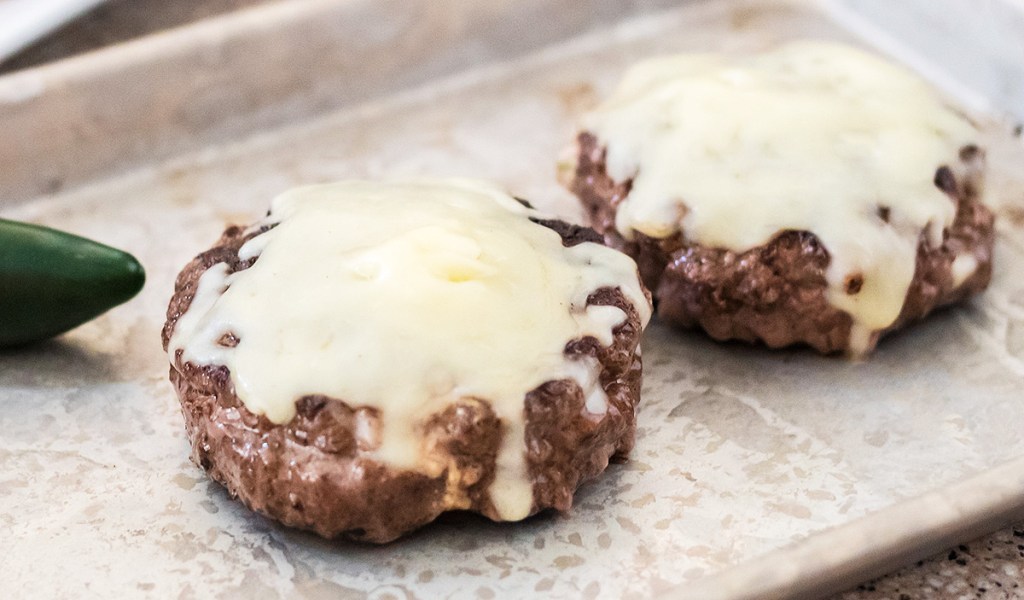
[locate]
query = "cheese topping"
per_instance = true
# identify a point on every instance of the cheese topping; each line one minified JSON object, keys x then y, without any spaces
{"x":405,"y":298}
{"x":812,"y":137}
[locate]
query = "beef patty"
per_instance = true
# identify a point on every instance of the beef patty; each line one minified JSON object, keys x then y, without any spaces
{"x":776,"y":293}
{"x":318,"y":471}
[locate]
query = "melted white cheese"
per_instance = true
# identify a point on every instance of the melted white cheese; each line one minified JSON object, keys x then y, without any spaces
{"x":406,"y":297}
{"x":812,"y":136}
{"x":964,"y":265}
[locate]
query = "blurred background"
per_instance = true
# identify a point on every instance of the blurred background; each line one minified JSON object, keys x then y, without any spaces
{"x":63,"y":28}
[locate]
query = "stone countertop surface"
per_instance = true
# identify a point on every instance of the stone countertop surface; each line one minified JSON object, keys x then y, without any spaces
{"x":988,"y":567}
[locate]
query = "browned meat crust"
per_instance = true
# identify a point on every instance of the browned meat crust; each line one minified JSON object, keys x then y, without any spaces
{"x":776,"y":293}
{"x":314,"y":472}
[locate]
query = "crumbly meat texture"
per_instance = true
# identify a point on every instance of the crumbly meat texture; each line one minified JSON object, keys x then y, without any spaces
{"x":776,"y":294}
{"x":315,"y":473}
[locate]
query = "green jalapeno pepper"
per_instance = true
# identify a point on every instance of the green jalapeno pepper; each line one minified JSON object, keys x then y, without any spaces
{"x":52,"y":281}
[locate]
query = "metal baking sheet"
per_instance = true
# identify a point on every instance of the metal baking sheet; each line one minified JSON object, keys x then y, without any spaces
{"x":755,"y":472}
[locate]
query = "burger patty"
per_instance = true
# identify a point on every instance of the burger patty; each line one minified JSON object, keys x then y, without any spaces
{"x":776,"y":293}
{"x":318,"y":472}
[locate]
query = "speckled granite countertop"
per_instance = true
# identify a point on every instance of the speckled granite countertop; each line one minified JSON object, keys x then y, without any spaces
{"x":989,"y":567}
